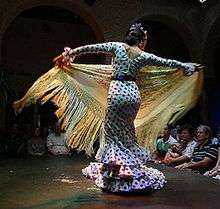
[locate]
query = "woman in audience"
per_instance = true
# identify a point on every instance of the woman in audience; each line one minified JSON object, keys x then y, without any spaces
{"x":183,"y":151}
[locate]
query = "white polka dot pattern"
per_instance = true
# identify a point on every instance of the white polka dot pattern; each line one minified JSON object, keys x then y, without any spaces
{"x":120,"y":166}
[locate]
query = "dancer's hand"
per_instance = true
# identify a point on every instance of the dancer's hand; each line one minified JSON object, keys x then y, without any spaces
{"x":60,"y":61}
{"x":192,"y":67}
{"x":65,"y":59}
{"x":69,"y":55}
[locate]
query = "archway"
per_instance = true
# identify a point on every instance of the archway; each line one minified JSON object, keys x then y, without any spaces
{"x":175,"y":38}
{"x":164,"y":41}
{"x":32,"y":40}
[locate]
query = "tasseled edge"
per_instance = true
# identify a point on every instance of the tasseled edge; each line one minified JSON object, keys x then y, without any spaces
{"x":80,"y":118}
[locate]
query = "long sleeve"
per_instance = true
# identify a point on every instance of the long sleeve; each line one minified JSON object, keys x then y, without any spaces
{"x":108,"y":48}
{"x":151,"y":59}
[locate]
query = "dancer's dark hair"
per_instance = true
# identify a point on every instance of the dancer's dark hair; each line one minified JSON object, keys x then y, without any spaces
{"x":135,"y":34}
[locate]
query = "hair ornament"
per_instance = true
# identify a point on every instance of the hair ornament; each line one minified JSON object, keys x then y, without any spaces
{"x":137,"y":26}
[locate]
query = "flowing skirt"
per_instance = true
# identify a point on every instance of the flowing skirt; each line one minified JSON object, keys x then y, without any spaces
{"x":120,"y":166}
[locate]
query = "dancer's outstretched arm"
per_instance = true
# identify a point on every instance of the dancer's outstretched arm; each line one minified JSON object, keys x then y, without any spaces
{"x":108,"y":48}
{"x":69,"y":54}
{"x":151,"y":59}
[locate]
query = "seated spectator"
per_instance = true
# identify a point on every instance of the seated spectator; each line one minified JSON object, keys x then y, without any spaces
{"x":205,"y":154}
{"x":215,"y":172}
{"x":56,"y":142}
{"x":163,"y":144}
{"x":182,"y":152}
{"x":36,"y":145}
{"x":215,"y":140}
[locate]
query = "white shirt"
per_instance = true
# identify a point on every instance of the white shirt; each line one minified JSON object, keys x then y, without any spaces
{"x":57,"y":144}
{"x":188,"y":151}
{"x":170,"y":141}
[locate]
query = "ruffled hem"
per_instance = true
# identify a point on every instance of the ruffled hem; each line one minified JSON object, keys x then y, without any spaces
{"x":121,"y":169}
{"x":125,"y":178}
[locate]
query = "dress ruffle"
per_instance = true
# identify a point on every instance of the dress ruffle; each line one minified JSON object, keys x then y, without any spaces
{"x":121,"y":170}
{"x":127,"y":179}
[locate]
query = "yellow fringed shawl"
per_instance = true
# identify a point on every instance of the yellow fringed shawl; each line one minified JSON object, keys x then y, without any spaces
{"x":80,"y":93}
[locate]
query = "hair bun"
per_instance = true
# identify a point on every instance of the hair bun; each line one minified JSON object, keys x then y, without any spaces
{"x":135,"y":34}
{"x":137,"y":26}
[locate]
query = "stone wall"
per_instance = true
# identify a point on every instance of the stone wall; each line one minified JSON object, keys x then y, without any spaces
{"x":196,"y":24}
{"x":109,"y":20}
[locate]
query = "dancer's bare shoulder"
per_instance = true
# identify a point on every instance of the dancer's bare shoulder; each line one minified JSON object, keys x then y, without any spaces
{"x":133,"y":51}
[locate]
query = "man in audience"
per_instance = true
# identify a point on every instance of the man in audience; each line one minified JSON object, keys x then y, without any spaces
{"x":205,"y":154}
{"x":163,"y":144}
{"x":56,"y":142}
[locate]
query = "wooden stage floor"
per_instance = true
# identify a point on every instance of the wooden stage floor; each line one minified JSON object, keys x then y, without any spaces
{"x":56,"y":182}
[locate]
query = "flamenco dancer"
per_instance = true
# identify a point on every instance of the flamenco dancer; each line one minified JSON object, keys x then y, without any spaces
{"x":120,"y":160}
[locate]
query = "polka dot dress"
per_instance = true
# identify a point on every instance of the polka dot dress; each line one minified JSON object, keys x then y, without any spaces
{"x":120,"y":166}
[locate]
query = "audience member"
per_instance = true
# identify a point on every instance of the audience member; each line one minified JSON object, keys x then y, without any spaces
{"x":36,"y":145}
{"x":215,"y":172}
{"x":205,"y":154}
{"x":56,"y":142}
{"x":216,"y":140}
{"x":163,"y":144}
{"x":183,"y":151}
